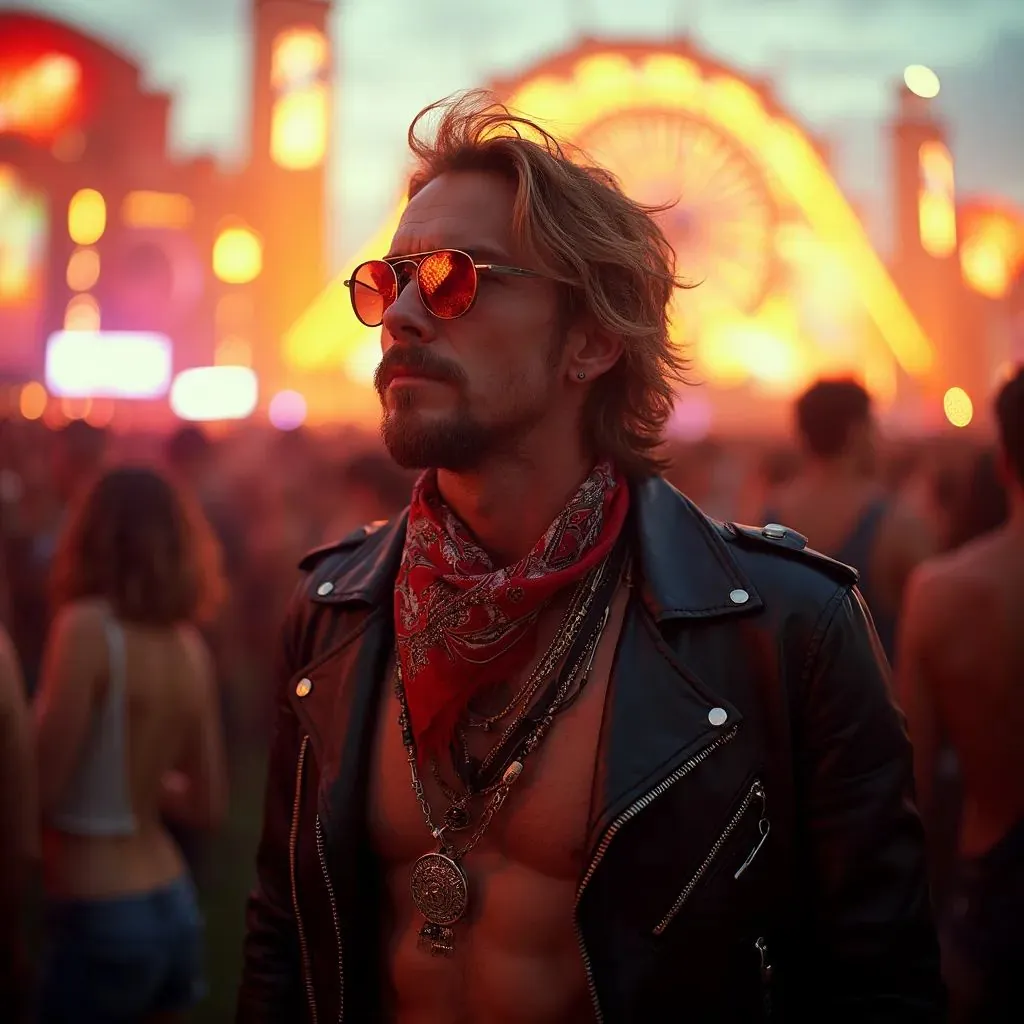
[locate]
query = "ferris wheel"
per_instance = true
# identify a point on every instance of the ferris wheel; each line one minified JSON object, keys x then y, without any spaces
{"x":722,"y":217}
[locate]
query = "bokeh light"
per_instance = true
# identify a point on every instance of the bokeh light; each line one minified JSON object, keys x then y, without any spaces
{"x":214,"y":393}
{"x":32,"y":401}
{"x":83,"y":270}
{"x":238,"y":255}
{"x":82,"y":314}
{"x":87,"y":217}
{"x":287,"y":410}
{"x":958,"y":407}
{"x":921,"y":81}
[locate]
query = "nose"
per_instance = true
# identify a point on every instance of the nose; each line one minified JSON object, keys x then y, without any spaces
{"x":406,"y":319}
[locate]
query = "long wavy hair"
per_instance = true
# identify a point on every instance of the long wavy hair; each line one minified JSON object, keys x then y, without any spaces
{"x":615,"y":265}
{"x":141,"y":545}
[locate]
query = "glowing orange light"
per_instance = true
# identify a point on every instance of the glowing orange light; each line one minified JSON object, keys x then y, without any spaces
{"x":298,"y":129}
{"x":83,"y":269}
{"x":238,"y":255}
{"x":937,"y":200}
{"x":300,"y":114}
{"x":143,"y":209}
{"x":921,"y":81}
{"x":82,"y":314}
{"x":37,"y":99}
{"x":958,"y":407}
{"x":76,"y":408}
{"x":32,"y":401}
{"x":298,"y":54}
{"x":233,"y":351}
{"x":87,"y":217}
{"x":992,"y":249}
{"x":602,"y":85}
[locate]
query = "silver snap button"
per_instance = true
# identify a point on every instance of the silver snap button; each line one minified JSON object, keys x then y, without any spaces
{"x":717,"y":716}
{"x":739,"y":597}
{"x":773,"y":531}
{"x":324,"y":589}
{"x":303,"y":687}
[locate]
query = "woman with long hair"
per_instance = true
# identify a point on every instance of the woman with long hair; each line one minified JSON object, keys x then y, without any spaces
{"x":128,"y":733}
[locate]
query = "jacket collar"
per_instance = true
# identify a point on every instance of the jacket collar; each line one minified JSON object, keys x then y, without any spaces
{"x":687,"y":568}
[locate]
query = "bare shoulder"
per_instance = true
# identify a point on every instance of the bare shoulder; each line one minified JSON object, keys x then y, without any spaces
{"x":951,"y":584}
{"x":83,"y":625}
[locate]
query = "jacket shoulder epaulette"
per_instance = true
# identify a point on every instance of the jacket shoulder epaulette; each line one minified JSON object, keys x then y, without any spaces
{"x":311,"y":559}
{"x":790,"y":543}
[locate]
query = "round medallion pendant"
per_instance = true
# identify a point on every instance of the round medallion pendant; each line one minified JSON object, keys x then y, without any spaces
{"x":439,"y":888}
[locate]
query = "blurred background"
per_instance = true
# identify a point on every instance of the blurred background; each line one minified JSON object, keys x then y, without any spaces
{"x":183,"y":186}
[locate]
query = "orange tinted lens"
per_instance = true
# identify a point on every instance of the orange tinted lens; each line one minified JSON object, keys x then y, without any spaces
{"x":373,"y":290}
{"x":447,"y":283}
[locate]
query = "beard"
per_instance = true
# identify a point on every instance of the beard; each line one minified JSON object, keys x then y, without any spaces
{"x":457,"y":443}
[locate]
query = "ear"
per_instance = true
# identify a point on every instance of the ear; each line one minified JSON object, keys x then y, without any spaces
{"x":590,"y":352}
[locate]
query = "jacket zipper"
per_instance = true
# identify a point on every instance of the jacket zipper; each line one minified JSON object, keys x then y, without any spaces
{"x":756,"y":792}
{"x":334,"y":917}
{"x":293,"y":838}
{"x":628,"y":814}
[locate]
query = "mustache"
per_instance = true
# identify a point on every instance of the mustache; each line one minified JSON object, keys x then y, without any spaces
{"x":417,"y":359}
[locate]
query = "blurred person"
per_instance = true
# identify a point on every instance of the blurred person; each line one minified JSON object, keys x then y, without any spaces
{"x":127,"y":732}
{"x":981,"y":503}
{"x":19,"y":838}
{"x":960,"y":668}
{"x":552,"y":745}
{"x":370,"y":487}
{"x":77,"y":452}
{"x":839,"y":504}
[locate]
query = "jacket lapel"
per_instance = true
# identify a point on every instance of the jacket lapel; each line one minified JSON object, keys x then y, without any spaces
{"x":658,"y":713}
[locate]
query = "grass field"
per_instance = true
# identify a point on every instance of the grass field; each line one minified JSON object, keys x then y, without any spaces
{"x":225,"y":881}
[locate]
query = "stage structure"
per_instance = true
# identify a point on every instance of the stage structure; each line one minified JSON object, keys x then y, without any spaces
{"x":789,"y":284}
{"x":123,"y":269}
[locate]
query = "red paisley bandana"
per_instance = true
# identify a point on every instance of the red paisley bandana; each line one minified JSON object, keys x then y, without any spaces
{"x":462,"y":625}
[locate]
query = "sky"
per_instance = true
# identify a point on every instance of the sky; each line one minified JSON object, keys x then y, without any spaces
{"x":833,"y":63}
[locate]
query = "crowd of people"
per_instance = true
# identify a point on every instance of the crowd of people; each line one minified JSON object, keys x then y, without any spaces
{"x":547,"y":739}
{"x":196,"y":540}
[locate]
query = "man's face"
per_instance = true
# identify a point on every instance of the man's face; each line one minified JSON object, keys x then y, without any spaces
{"x":458,"y":392}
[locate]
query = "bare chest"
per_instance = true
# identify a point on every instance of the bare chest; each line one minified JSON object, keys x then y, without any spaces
{"x":541,"y":826}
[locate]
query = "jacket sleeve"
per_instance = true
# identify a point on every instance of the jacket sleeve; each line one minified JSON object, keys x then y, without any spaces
{"x":271,"y":985}
{"x":870,"y":952}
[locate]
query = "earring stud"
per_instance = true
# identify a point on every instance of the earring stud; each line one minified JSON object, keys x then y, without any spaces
{"x":580,"y":375}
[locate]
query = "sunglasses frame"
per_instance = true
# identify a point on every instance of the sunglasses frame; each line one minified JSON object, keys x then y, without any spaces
{"x":416,"y":259}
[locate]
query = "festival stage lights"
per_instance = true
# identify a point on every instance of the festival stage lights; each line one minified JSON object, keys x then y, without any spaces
{"x":112,"y":364}
{"x":206,"y":393}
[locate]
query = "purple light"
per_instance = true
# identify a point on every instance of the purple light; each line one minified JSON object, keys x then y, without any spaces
{"x":287,"y":410}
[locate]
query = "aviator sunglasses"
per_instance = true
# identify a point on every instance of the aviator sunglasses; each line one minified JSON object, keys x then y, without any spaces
{"x":446,"y":280}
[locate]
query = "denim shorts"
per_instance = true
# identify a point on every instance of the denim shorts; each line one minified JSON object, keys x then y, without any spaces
{"x":119,"y":960}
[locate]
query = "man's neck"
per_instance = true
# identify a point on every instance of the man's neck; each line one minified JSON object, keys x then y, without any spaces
{"x":509,"y":504}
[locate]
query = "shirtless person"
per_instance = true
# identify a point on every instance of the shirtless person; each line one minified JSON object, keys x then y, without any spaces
{"x":961,"y":676}
{"x":839,"y":505}
{"x":551,"y":745}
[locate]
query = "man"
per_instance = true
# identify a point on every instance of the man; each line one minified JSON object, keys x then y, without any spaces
{"x":838,"y":503}
{"x":960,"y":669}
{"x":552,"y":746}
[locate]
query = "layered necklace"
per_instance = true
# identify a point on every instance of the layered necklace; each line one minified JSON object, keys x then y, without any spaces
{"x":440,"y":887}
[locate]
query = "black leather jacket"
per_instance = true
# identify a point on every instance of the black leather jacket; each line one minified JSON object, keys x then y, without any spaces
{"x":753,"y":847}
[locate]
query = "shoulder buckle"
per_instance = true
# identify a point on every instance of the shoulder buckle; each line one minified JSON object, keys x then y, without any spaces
{"x":785,"y":540}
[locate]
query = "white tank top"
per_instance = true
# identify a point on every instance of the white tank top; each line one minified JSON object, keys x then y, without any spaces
{"x":96,"y":801}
